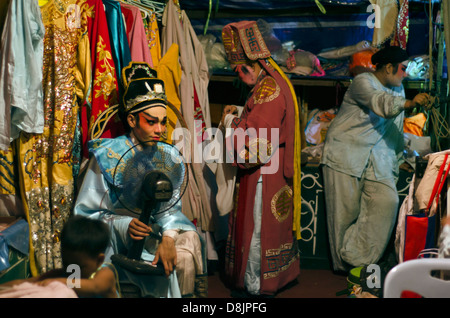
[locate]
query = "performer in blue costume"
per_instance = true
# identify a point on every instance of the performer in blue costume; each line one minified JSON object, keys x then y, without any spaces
{"x":144,"y":107}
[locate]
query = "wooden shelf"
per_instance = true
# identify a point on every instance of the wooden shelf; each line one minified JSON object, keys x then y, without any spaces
{"x":323,"y":81}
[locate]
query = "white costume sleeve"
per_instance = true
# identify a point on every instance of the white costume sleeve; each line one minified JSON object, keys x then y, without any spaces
{"x":368,"y":92}
{"x":94,"y":201}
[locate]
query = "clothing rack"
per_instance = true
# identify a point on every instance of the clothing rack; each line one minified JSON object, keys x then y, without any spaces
{"x":149,"y":6}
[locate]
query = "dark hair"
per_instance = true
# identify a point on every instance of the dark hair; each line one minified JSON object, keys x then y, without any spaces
{"x":390,"y":54}
{"x":123,"y":118}
{"x":394,"y":65}
{"x":82,"y":234}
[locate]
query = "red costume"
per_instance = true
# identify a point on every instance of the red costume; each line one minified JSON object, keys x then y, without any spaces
{"x":104,"y":87}
{"x":270,"y":106}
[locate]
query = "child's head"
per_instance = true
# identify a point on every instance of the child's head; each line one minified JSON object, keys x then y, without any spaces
{"x":83,"y":242}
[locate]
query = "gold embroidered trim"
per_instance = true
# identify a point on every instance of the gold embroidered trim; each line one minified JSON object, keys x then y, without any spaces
{"x":118,"y":169}
{"x":254,"y":45}
{"x":280,"y":259}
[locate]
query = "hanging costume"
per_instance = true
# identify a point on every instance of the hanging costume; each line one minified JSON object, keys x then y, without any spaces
{"x":152,"y":33}
{"x":46,"y":159}
{"x":103,"y":90}
{"x":136,"y":35}
{"x":362,"y":149}
{"x":262,"y":254}
{"x":392,"y":17}
{"x":169,"y":70}
{"x":194,"y":83}
{"x":118,"y":36}
{"x":100,"y":194}
{"x":21,"y":93}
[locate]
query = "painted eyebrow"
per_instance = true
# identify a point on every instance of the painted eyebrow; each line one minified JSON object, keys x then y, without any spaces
{"x":153,"y":117}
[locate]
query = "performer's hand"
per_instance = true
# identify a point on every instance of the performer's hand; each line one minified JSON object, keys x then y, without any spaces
{"x":138,"y":230}
{"x":422,"y":99}
{"x":167,"y":254}
{"x":228,"y":109}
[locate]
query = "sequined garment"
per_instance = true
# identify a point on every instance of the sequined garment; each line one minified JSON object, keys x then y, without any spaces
{"x":402,"y":30}
{"x":47,"y":158}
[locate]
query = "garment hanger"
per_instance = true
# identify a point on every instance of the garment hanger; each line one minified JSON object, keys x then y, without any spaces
{"x":147,"y":11}
{"x":158,"y":7}
{"x":148,"y":7}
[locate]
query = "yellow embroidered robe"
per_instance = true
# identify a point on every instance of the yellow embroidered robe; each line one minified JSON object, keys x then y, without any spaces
{"x":46,"y":159}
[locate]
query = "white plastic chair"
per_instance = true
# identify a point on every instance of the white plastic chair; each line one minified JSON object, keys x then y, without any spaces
{"x":415,"y":276}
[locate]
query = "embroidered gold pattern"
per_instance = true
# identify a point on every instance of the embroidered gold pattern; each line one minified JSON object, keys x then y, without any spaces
{"x":7,"y":177}
{"x":231,"y":44}
{"x":280,"y":259}
{"x":281,"y":203}
{"x":54,"y":11}
{"x":254,"y":45}
{"x":104,"y":75}
{"x":258,"y":152}
{"x":267,"y":91}
{"x":121,"y":165}
{"x":45,"y":228}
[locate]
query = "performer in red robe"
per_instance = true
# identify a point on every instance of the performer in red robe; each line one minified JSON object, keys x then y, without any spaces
{"x":262,"y":254}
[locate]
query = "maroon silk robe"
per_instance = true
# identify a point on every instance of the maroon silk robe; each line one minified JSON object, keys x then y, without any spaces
{"x":267,"y":107}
